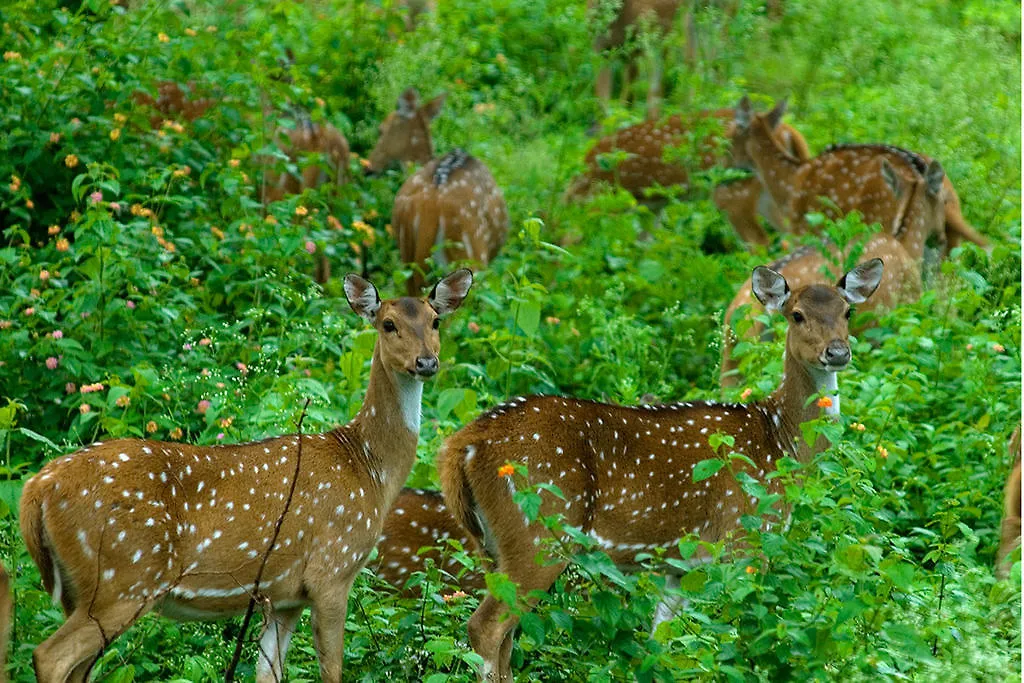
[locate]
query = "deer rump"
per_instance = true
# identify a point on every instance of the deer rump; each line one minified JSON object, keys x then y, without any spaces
{"x":452,"y":199}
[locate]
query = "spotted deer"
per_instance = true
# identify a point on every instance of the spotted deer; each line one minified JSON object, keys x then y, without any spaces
{"x":307,"y":138}
{"x":451,"y":207}
{"x":173,"y":101}
{"x":126,"y":526}
{"x":847,"y":177}
{"x":646,"y":144}
{"x":1009,"y":532}
{"x":626,"y":473}
{"x":656,"y":15}
{"x":900,"y":190}
{"x":417,"y":529}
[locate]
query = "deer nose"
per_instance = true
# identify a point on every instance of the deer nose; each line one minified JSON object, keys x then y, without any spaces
{"x":837,"y":353}
{"x":426,"y":366}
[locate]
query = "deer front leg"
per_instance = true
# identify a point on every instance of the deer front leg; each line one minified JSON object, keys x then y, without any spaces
{"x":329,"y":614}
{"x":277,"y":635}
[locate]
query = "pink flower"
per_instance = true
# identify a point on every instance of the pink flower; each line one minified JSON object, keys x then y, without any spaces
{"x":187,"y":346}
{"x":473,"y":327}
{"x":52,"y":362}
{"x":203,"y":406}
{"x":57,"y":334}
{"x":89,"y":388}
{"x":70,"y":388}
{"x":96,"y":197}
{"x":30,"y":311}
{"x":205,"y":341}
{"x":44,"y":275}
{"x":130,"y":304}
{"x":84,"y":408}
{"x":311,"y":246}
{"x":220,"y":436}
{"x":242,"y":368}
{"x":114,"y":206}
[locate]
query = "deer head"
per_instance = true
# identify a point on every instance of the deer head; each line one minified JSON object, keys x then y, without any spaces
{"x":405,"y":133}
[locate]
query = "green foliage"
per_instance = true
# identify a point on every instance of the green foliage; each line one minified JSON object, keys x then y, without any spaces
{"x":146,"y":291}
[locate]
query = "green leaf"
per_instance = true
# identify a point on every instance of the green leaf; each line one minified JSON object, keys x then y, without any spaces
{"x":707,"y":468}
{"x":528,"y":317}
{"x":502,"y":588}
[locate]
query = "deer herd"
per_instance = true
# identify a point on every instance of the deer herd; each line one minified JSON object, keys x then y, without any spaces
{"x":124,"y":527}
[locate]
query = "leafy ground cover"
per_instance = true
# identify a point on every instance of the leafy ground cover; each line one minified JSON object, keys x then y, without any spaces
{"x":144,"y":290}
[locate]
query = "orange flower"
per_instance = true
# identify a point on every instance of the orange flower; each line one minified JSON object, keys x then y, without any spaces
{"x":506,"y":470}
{"x":751,"y":570}
{"x":29,"y":204}
{"x":176,"y":433}
{"x":62,"y":245}
{"x":883,"y":451}
{"x":998,"y":348}
{"x":233,"y":163}
{"x":857,"y":427}
{"x":163,"y":37}
{"x":824,"y":402}
{"x":84,"y":408}
{"x":53,"y":229}
{"x":123,"y":401}
{"x":746,"y":393}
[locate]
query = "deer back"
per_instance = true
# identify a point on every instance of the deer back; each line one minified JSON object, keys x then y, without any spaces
{"x":1009,"y":536}
{"x":307,"y":138}
{"x":453,"y":199}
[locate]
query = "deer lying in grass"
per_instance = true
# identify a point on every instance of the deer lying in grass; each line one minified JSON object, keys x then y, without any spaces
{"x":645,"y":166}
{"x":887,"y":185}
{"x":123,"y":527}
{"x":451,"y":207}
{"x":415,"y":530}
{"x":626,"y":472}
{"x":1009,"y":536}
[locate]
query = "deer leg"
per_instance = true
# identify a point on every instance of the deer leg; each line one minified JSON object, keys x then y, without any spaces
{"x":329,"y":614}
{"x":654,"y":93}
{"x":670,"y":602}
{"x":277,"y":635}
{"x":492,"y":624}
{"x":739,"y":201}
{"x":68,"y":655}
{"x":630,"y":71}
{"x":603,"y":87}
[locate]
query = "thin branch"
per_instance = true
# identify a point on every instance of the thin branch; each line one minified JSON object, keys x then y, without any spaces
{"x":229,"y":675}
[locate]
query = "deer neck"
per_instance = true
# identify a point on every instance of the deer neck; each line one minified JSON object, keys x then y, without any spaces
{"x":388,"y":424}
{"x":910,"y":227}
{"x":788,"y":407}
{"x":776,"y":168}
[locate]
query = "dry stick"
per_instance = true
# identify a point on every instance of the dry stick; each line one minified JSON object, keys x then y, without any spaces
{"x":229,"y":675}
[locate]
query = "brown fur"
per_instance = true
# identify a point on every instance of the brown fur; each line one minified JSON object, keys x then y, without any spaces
{"x":659,"y":14}
{"x":128,"y":526}
{"x":1009,"y":532}
{"x":467,"y":209}
{"x":626,"y":472}
{"x":405,"y":133}
{"x":645,"y":167}
{"x":173,"y":102}
{"x":889,"y":186}
{"x":417,"y":529}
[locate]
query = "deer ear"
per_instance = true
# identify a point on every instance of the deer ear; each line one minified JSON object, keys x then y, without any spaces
{"x":934,"y":175}
{"x":448,"y":294}
{"x":362,"y":296}
{"x":861,"y":282}
{"x":744,"y":113}
{"x":432,"y":108}
{"x":774,"y":117}
{"x":407,"y":103}
{"x":892,"y":178}
{"x":770,"y":288}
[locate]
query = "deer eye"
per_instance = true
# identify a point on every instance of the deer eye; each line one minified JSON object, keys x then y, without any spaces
{"x":437,"y":323}
{"x":798,"y":317}
{"x":389,"y":326}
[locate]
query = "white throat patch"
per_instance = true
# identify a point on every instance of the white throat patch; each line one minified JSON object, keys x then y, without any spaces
{"x":410,"y":400}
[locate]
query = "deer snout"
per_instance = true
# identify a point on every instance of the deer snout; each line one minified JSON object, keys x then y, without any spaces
{"x":837,"y":354}
{"x":426,"y":366}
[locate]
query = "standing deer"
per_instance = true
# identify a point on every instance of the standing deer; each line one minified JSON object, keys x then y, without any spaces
{"x":658,"y":15}
{"x":645,"y":166}
{"x":416,"y":529}
{"x":451,"y":206}
{"x":1009,"y":536}
{"x":626,"y":472}
{"x":123,"y":527}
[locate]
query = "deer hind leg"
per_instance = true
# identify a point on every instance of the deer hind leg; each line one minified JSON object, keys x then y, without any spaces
{"x":739,"y":201}
{"x":277,"y":635}
{"x":69,"y":654}
{"x":492,"y":624}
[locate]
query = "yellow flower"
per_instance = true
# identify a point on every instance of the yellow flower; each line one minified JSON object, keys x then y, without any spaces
{"x":115,"y":134}
{"x":157,"y":230}
{"x":54,"y":138}
{"x":62,"y":245}
{"x":998,"y":348}
{"x":301,"y":211}
{"x":12,"y":56}
{"x":857,"y":427}
{"x":84,"y":408}
{"x":506,"y":470}
{"x":176,"y":433}
{"x":883,"y":451}
{"x":163,"y":37}
{"x":71,"y":161}
{"x":191,"y":32}
{"x":120,"y":118}
{"x":217,"y":232}
{"x":123,"y":401}
{"x":151,"y":427}
{"x":234,"y":163}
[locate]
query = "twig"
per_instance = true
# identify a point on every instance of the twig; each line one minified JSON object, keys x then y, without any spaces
{"x":229,"y":675}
